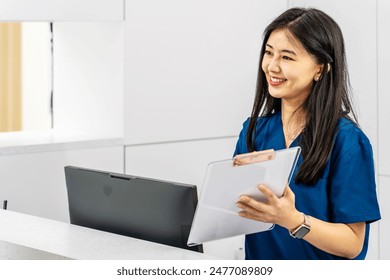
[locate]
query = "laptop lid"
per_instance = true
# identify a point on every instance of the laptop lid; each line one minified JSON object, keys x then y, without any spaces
{"x":145,"y":208}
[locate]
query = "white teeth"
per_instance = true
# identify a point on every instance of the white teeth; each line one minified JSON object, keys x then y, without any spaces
{"x":276,"y":80}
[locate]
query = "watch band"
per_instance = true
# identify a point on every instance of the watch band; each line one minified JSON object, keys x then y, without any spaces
{"x":302,"y":229}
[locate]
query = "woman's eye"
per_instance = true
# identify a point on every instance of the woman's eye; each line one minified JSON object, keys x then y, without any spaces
{"x":267,"y":53}
{"x":287,"y":58}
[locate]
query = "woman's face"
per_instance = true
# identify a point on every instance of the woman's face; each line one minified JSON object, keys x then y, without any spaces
{"x":290,"y":70}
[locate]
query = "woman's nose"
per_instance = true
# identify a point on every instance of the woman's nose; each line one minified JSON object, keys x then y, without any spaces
{"x":273,"y":65}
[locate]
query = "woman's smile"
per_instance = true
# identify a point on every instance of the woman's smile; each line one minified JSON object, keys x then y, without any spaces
{"x":274,"y":81}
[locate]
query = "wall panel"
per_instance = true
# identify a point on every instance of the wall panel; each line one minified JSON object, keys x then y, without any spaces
{"x":184,"y":162}
{"x":191,"y":66}
{"x":88,"y":78}
{"x":35,"y":183}
{"x":384,"y":224}
{"x":384,"y":86}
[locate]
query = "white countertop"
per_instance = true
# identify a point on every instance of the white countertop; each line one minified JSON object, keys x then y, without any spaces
{"x":75,"y":242}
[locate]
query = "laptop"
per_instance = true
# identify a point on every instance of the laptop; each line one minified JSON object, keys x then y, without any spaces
{"x":144,"y":208}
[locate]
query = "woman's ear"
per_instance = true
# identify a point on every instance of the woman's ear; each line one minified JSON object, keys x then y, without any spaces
{"x":318,"y":75}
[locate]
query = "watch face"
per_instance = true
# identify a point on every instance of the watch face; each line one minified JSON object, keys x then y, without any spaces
{"x":302,"y":232}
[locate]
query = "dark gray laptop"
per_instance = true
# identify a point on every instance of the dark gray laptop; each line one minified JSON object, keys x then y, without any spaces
{"x":144,"y":208}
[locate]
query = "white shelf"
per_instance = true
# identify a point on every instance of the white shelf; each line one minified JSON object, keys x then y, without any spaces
{"x":13,"y":143}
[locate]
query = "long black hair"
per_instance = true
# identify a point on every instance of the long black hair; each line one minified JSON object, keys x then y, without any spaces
{"x":329,"y":99}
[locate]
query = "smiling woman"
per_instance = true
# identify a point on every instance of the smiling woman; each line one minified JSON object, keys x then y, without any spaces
{"x":303,"y":99}
{"x":25,"y":76}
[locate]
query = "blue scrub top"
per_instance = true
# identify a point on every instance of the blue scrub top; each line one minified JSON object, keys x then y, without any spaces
{"x":345,"y":193}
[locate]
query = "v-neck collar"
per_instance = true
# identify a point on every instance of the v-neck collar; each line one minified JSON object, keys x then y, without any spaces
{"x":281,"y":136}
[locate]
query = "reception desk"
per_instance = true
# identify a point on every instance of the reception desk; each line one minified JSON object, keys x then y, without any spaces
{"x":29,"y":237}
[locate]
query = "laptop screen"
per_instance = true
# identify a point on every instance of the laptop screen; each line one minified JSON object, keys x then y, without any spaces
{"x":143,"y":208}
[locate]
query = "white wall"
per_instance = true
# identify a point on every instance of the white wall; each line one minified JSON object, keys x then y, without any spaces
{"x":384,"y":229}
{"x":88,"y":77}
{"x":383,"y":87}
{"x":36,"y":75}
{"x":383,"y":125}
{"x":191,"y":66}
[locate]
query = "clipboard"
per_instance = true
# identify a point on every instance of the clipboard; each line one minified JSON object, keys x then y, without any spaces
{"x":216,"y":216}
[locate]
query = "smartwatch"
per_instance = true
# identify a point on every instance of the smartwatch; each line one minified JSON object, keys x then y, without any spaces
{"x":303,"y":229}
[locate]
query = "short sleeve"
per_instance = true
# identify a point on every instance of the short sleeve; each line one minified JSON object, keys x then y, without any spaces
{"x":353,"y":194}
{"x":241,"y":146}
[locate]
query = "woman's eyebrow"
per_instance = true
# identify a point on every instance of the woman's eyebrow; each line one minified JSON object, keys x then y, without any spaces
{"x":287,"y":51}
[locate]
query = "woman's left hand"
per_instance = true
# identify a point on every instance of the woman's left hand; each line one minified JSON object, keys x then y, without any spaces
{"x":274,"y":210}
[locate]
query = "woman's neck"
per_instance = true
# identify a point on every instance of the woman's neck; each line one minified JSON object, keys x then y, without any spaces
{"x":294,"y":120}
